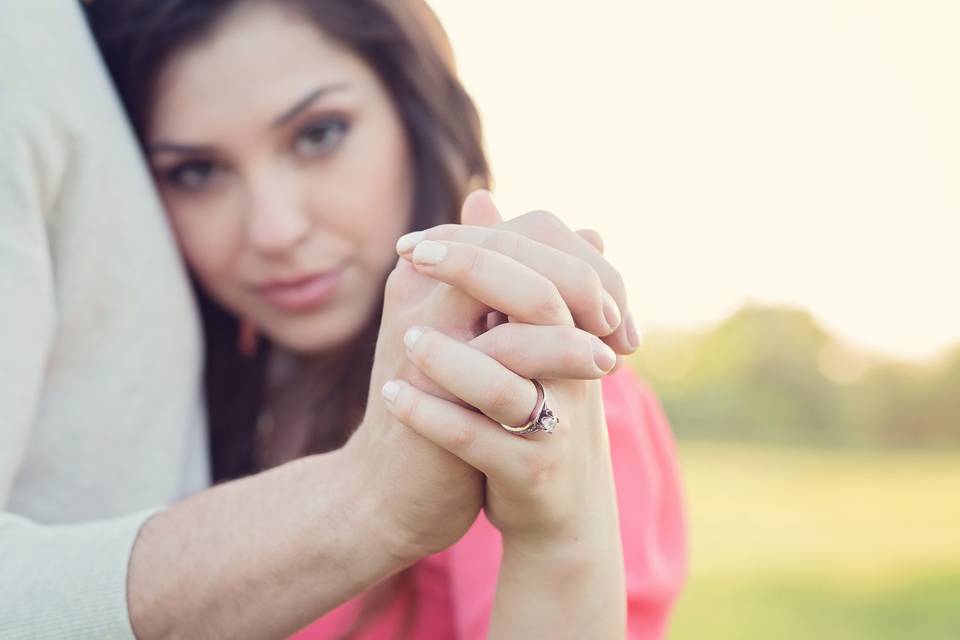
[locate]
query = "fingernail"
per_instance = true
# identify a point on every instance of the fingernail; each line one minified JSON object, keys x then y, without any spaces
{"x":408,"y":242}
{"x":391,"y":390}
{"x":633,"y":335}
{"x":603,"y":356}
{"x":411,"y":336}
{"x":611,"y":311}
{"x":429,"y":252}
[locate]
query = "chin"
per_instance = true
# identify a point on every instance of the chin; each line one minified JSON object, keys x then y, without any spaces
{"x":316,"y":335}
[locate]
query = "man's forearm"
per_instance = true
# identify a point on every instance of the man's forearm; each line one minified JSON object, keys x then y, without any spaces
{"x":259,"y":557}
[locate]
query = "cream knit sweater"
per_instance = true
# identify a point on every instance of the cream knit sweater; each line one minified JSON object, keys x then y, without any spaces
{"x":101,"y":416}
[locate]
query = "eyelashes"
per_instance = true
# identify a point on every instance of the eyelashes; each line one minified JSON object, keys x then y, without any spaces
{"x":320,"y":137}
{"x":315,"y":140}
{"x":194,"y":175}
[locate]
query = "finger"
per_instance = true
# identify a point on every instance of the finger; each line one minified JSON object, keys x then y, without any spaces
{"x":472,"y":376}
{"x":592,"y":307}
{"x":550,"y":230}
{"x":554,"y":352}
{"x":424,"y":301}
{"x":497,"y":280}
{"x":479,"y":210}
{"x":593,"y":237}
{"x":471,"y":436}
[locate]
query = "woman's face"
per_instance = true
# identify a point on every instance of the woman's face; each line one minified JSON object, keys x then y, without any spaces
{"x":286,"y":172}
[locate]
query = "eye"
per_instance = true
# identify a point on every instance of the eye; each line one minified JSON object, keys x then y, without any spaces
{"x":320,"y":138}
{"x":195,"y":175}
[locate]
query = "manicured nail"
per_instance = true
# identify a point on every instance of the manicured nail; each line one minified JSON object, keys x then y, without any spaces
{"x":611,"y":311}
{"x":408,"y":242}
{"x":429,"y":253}
{"x":603,"y":355}
{"x":411,"y":336}
{"x":391,"y":390}
{"x":633,"y":335}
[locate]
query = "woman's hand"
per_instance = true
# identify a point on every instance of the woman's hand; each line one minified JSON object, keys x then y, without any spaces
{"x":546,"y":291}
{"x":592,"y":288}
{"x":551,"y":496}
{"x":426,"y":497}
{"x":543,"y":489}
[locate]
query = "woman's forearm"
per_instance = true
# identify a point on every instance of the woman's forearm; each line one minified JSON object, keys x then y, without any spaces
{"x":574,"y":589}
{"x":257,"y":558}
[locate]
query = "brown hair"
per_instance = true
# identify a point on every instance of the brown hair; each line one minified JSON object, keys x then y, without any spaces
{"x":404,"y":44}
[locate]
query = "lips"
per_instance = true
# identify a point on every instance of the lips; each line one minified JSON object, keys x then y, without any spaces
{"x":303,"y":294}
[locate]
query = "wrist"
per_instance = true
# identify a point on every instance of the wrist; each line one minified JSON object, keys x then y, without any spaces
{"x":348,"y":516}
{"x":578,"y":548}
{"x":557,"y":556}
{"x":561,"y":588}
{"x":365,"y":502}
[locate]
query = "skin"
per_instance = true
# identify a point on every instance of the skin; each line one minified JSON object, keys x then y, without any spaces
{"x":277,"y":183}
{"x":552,"y":496}
{"x":261,"y":191}
{"x":211,"y":566}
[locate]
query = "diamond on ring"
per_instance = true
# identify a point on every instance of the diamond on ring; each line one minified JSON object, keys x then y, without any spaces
{"x":541,"y":418}
{"x":548,"y":422}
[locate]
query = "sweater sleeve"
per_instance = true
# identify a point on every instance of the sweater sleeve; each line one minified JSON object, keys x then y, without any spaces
{"x":66,"y":581}
{"x":55,"y":581}
{"x":652,"y":524}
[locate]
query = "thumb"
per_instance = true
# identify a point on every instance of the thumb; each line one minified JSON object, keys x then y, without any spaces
{"x":479,"y":210}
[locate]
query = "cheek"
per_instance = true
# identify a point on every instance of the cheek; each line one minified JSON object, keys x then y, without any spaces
{"x":210,"y":242}
{"x":394,"y":207}
{"x":386,"y":189}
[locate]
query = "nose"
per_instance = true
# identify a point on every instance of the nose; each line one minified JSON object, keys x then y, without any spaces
{"x":278,"y":219}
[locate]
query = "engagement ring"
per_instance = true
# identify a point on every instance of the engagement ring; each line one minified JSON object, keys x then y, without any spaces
{"x":541,"y":418}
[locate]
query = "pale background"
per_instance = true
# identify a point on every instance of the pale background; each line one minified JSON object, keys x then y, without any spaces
{"x":802,"y":153}
{"x":798,"y":152}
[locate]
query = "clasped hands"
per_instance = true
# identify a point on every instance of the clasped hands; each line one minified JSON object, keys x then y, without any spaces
{"x":472,"y":313}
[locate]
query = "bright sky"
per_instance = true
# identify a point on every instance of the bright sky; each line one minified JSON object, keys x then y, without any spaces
{"x":768,"y":150}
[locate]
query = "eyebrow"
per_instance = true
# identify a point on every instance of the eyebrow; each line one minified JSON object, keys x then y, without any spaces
{"x":293,"y":112}
{"x":185,"y":149}
{"x":306,"y":101}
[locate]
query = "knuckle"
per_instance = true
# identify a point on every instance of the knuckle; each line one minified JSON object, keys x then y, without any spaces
{"x":539,"y":469}
{"x":442,"y":232}
{"x":463,"y":438}
{"x":588,"y":275}
{"x":547,"y":225}
{"x":491,"y":240}
{"x":506,"y":242}
{"x":408,"y":405}
{"x":546,"y":220}
{"x":498,"y":397}
{"x":426,"y":351}
{"x":549,"y":307}
{"x":496,"y":342}
{"x":477,"y":261}
{"x":617,"y":284}
{"x":589,"y":286}
{"x":401,"y":284}
{"x":572,"y":360}
{"x":395,"y":282}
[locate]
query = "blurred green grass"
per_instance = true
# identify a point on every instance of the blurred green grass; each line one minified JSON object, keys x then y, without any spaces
{"x":820,"y":543}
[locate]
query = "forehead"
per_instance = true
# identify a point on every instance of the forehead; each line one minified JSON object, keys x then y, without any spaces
{"x":257,"y":62}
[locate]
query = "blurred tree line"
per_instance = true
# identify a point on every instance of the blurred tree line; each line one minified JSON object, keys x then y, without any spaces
{"x":773,"y":374}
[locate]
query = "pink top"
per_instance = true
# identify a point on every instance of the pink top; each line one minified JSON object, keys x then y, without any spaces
{"x":455,"y":588}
